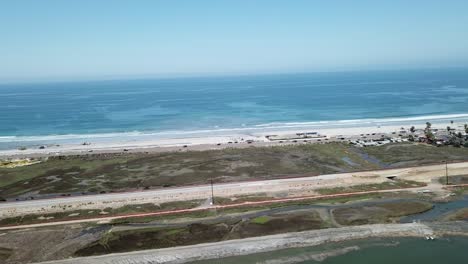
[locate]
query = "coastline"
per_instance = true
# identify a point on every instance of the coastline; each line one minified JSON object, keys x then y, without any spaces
{"x":40,"y":146}
{"x":253,"y":245}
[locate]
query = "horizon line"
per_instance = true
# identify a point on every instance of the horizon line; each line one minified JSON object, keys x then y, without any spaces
{"x":136,"y":77}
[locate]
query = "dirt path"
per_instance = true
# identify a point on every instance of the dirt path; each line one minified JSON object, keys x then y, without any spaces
{"x":181,"y":211}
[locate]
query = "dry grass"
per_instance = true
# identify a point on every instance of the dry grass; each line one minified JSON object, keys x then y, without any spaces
{"x":379,"y":213}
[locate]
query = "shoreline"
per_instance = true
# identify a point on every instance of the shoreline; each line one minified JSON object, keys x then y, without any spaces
{"x":197,"y":141}
{"x":247,"y":246}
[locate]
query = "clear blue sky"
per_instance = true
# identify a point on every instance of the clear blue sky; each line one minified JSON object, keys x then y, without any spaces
{"x":45,"y":39}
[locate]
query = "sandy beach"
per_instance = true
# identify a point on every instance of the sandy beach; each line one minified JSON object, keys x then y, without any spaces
{"x":206,"y":140}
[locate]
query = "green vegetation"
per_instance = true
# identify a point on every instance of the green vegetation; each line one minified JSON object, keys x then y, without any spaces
{"x":149,"y":219}
{"x":248,"y":224}
{"x":379,"y":213}
{"x":147,"y":238}
{"x":96,"y":173}
{"x":260,"y":220}
{"x":454,"y":179}
{"x":17,"y":163}
{"x":143,"y":208}
{"x":195,"y":233}
{"x":412,"y":154}
{"x":117,"y":172}
{"x":252,"y":208}
{"x":398,"y":209}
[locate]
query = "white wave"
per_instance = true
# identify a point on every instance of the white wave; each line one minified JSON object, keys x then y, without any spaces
{"x":369,"y":120}
{"x":373,"y":122}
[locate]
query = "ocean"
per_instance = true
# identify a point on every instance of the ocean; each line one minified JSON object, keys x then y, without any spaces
{"x":63,"y":111}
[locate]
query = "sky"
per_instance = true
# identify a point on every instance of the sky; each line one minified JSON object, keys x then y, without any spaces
{"x":88,"y":39}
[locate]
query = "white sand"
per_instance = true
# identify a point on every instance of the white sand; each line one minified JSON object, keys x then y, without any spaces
{"x":152,"y":144}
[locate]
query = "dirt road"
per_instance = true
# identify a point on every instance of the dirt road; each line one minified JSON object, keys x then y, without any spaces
{"x":293,"y":187}
{"x":181,"y":211}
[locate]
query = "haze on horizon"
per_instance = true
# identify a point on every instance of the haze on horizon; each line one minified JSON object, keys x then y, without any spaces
{"x":55,"y":40}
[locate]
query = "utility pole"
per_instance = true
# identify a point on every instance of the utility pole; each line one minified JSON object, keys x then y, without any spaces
{"x":446,"y":173}
{"x":212,"y":193}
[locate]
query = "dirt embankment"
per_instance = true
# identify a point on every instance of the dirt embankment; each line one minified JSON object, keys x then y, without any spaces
{"x":257,"y":244}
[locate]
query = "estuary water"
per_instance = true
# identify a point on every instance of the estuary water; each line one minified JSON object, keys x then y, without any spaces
{"x":381,"y":251}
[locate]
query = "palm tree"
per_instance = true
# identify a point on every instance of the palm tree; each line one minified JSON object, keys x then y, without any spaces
{"x":427,"y":131}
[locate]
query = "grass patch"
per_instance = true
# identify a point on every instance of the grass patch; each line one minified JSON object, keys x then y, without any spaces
{"x":408,"y":154}
{"x":379,"y":213}
{"x":260,"y":220}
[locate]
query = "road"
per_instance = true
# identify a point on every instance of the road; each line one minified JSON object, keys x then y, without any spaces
{"x":169,"y":212}
{"x":250,"y":203}
{"x":304,"y":186}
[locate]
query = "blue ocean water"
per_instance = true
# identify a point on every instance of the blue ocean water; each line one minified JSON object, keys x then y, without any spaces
{"x":216,"y":103}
